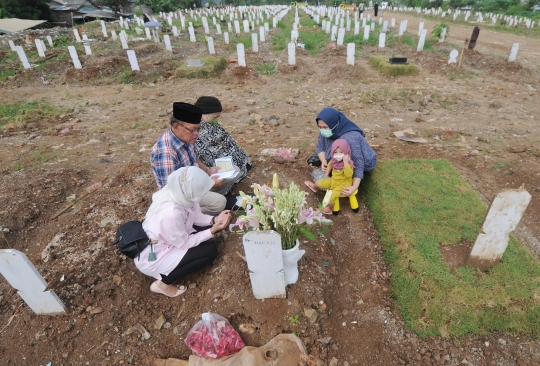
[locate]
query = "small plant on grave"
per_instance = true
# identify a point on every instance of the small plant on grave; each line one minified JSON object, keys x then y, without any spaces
{"x":265,"y":69}
{"x":437,"y":30}
{"x":283,"y":210}
{"x":293,"y":319}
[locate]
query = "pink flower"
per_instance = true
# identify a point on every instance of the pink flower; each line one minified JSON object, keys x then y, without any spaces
{"x":306,"y":215}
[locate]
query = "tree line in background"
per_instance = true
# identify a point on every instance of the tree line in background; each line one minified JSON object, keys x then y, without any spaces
{"x":25,"y":9}
{"x":39,"y":9}
{"x":509,"y":7}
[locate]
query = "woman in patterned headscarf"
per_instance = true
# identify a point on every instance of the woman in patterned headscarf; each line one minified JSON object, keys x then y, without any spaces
{"x":214,"y":142}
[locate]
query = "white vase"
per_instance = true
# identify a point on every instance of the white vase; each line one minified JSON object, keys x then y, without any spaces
{"x":290,"y":263}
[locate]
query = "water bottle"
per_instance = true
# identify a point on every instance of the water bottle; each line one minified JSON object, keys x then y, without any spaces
{"x":94,"y":187}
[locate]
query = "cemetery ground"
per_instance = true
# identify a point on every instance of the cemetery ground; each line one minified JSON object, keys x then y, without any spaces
{"x":482,"y":117}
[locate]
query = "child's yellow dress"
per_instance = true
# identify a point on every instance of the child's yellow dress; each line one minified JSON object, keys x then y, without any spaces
{"x":339,"y":180}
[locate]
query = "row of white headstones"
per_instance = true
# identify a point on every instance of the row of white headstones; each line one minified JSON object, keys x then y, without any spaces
{"x":275,"y":12}
{"x":339,"y":17}
{"x":510,"y":20}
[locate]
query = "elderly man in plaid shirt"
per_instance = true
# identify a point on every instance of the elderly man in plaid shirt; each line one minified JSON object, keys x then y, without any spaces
{"x":176,"y":148}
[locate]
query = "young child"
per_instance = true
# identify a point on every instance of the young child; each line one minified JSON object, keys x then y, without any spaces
{"x":341,"y":167}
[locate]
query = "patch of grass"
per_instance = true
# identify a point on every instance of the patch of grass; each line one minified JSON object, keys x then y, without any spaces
{"x":409,"y":41}
{"x":313,"y":40}
{"x":5,"y":74}
{"x":141,"y":125}
{"x":126,"y":76}
{"x":34,"y":159}
{"x":419,"y":205}
{"x":245,"y":39}
{"x":21,"y":113}
{"x":381,"y":64}
{"x":213,"y":66}
{"x":266,"y":68}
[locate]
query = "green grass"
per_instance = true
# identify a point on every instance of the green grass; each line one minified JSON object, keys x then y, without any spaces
{"x":381,"y":64}
{"x":266,"y":68}
{"x":22,"y":113}
{"x":34,"y":159}
{"x":419,"y":205}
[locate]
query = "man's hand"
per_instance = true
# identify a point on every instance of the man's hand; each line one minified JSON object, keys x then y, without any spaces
{"x":217,"y":182}
{"x":347,"y":191}
{"x":324,"y":165}
{"x":213,"y":170}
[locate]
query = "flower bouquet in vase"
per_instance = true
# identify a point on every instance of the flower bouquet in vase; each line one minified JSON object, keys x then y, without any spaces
{"x":285,"y":211}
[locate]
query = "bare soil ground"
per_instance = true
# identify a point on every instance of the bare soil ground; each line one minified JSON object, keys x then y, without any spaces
{"x":483,"y":117}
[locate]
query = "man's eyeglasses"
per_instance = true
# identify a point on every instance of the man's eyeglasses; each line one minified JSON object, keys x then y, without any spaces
{"x":193,"y":132}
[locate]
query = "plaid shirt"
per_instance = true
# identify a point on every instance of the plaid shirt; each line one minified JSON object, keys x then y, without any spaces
{"x":169,"y":154}
{"x":362,"y":154}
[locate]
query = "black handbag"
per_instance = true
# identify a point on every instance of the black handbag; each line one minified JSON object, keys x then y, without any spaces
{"x":131,"y":239}
{"x":314,"y":160}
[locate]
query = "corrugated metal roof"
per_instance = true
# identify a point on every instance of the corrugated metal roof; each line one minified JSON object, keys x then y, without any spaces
{"x":14,"y":25}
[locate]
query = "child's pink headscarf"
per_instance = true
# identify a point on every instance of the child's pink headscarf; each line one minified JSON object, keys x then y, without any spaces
{"x":343,"y":145}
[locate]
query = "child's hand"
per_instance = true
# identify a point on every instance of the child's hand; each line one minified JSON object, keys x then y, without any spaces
{"x":346,"y":159}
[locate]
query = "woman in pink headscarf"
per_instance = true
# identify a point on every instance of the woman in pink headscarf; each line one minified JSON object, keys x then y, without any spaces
{"x":342,"y":168}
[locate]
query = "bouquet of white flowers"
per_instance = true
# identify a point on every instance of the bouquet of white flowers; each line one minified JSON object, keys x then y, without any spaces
{"x":283,"y":210}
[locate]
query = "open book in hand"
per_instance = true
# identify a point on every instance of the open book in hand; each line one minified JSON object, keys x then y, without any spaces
{"x":226,"y":168}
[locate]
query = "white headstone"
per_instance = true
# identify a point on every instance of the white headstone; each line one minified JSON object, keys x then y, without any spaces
{"x":22,"y":57}
{"x":350,"y":53}
{"x":241,"y":54}
{"x":191,"y":32}
{"x":23,"y":276}
{"x":175,"y":30}
{"x":133,"y":60}
{"x":12,"y":45}
{"x":114,"y":36}
{"x":333,"y":36}
{"x":147,"y":31}
{"x":420,"y":27}
{"x":123,"y":39}
{"x":41,"y":53}
{"x":226,"y":37}
{"x":262,"y":34}
{"x":104,"y":29}
{"x":422,"y":40}
{"x":237,"y":27}
{"x":254,"y":43}
{"x":74,"y":57}
{"x":291,"y":50}
{"x":86,"y":44}
{"x":393,"y":22}
{"x":453,"y":57}
{"x":443,"y":35}
{"x":382,"y":40}
{"x":246,"y":26}
{"x":210,"y":42}
{"x":341,"y":35}
{"x":366,"y":32}
{"x":205,"y":25}
{"x":513,"y":52}
{"x":218,"y":28}
{"x":372,"y":28}
{"x":167,"y":41}
{"x":503,"y":217}
{"x":356,"y":28}
{"x":77,"y":36}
